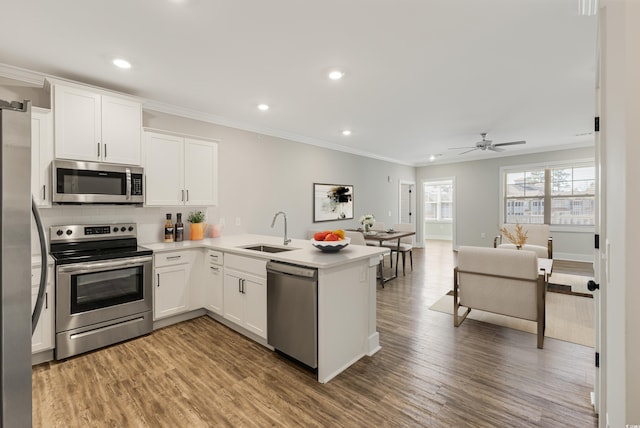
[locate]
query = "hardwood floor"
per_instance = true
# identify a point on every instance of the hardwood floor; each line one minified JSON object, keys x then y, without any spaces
{"x":428,"y":374}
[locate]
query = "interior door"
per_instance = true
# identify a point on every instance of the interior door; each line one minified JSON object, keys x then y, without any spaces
{"x":407,"y":202}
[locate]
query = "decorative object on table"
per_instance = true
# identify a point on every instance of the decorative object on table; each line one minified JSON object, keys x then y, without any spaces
{"x":198,"y":226}
{"x":330,"y":241}
{"x":519,"y":239}
{"x":332,"y":202}
{"x":367,"y":221}
{"x":215,"y":231}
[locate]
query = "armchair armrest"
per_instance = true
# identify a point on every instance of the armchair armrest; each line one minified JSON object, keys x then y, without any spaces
{"x":550,"y":247}
{"x":497,"y":241}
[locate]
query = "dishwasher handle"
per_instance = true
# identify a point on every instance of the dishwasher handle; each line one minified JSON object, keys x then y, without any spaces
{"x":291,"y":269}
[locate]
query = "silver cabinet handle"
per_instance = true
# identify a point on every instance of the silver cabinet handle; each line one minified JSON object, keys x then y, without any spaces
{"x":242,"y":286}
{"x":187,"y":195}
{"x":158,"y":279}
{"x":46,"y":300}
{"x":98,"y":150}
{"x":173,"y":257}
{"x":44,"y":192}
{"x":105,"y":151}
{"x":213,"y":268}
{"x":239,"y":285}
{"x":182,"y":197}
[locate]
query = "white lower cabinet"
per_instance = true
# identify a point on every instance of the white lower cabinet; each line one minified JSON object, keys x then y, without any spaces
{"x":213,"y":282}
{"x":42,"y":337}
{"x":245,"y":293}
{"x":172,"y":283}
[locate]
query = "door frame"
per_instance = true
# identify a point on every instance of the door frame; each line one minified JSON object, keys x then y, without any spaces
{"x":453,"y":208}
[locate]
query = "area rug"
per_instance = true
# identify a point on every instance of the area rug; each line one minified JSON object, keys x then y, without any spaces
{"x":569,"y":317}
{"x":569,"y":284}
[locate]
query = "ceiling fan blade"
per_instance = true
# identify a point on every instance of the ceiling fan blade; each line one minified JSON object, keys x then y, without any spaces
{"x":475,"y":148}
{"x":495,"y":149}
{"x":512,"y":143}
{"x":459,"y":148}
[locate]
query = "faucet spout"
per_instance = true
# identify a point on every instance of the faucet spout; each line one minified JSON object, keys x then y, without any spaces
{"x":273,"y":223}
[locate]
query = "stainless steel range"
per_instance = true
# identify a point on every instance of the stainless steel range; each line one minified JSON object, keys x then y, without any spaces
{"x":103,"y":286}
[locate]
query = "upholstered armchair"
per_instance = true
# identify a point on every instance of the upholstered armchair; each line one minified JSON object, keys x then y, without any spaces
{"x":538,"y":239}
{"x":501,"y":281}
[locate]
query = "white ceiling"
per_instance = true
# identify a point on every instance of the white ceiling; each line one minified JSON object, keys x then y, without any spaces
{"x":422,"y":76}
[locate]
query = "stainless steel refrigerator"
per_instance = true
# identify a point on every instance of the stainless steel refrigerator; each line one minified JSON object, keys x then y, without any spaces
{"x":15,"y":263}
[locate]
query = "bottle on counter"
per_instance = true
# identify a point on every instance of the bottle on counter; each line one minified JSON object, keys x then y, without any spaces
{"x":168,"y":229}
{"x":179,"y":234}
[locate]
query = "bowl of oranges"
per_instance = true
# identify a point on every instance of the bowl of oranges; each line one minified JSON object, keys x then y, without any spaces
{"x":330,"y":241}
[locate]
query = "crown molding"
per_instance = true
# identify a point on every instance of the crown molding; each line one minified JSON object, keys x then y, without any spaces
{"x":22,"y":75}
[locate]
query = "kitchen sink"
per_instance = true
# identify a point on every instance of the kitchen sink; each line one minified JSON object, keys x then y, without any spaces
{"x":267,"y":248}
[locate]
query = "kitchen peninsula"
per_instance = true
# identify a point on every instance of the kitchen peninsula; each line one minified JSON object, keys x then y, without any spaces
{"x":346,"y":291}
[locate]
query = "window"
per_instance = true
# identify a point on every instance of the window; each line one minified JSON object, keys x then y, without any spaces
{"x":438,"y":201}
{"x":569,"y":191}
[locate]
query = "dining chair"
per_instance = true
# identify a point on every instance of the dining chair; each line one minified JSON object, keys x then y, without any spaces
{"x":405,"y":246}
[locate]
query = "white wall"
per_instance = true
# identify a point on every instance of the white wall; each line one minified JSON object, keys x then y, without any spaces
{"x":477,"y":200}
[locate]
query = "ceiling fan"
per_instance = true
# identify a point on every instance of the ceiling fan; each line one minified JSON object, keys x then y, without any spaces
{"x":488,"y":145}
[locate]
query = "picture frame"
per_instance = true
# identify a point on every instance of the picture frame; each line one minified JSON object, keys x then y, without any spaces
{"x":332,"y":202}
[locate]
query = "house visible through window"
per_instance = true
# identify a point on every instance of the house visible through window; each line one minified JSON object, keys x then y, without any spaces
{"x":569,"y":191}
{"x":438,"y":201}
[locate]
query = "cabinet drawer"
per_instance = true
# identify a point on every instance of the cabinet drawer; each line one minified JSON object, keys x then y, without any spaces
{"x":214,"y":257}
{"x":173,"y":258}
{"x":246,"y":264}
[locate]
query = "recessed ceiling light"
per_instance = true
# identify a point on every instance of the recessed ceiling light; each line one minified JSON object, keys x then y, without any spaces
{"x":336,"y":74}
{"x":434,"y":157}
{"x":346,"y":132}
{"x":263,"y":107}
{"x":121,"y":63}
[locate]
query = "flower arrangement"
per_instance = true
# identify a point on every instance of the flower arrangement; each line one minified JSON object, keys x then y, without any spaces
{"x":367,"y":221}
{"x":520,"y":238}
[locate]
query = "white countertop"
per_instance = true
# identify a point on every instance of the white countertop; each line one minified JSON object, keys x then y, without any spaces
{"x":303,"y":252}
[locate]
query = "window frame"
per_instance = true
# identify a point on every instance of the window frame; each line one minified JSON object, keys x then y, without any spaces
{"x":439,"y":202}
{"x":574,"y":163}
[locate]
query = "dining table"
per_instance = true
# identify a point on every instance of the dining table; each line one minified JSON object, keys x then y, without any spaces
{"x":382,"y":236}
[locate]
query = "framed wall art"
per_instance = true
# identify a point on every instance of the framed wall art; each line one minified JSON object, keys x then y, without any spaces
{"x":332,"y":202}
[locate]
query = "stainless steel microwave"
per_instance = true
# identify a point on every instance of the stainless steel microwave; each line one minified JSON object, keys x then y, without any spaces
{"x":76,"y":182}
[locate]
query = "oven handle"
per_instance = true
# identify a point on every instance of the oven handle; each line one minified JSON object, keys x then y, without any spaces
{"x":96,"y":266}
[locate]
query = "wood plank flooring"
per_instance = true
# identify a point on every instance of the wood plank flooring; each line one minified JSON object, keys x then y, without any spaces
{"x":428,"y":374}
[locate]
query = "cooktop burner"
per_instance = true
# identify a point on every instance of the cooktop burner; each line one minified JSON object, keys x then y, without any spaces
{"x":94,"y":242}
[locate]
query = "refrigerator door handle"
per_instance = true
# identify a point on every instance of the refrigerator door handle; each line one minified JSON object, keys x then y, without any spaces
{"x":44,"y":268}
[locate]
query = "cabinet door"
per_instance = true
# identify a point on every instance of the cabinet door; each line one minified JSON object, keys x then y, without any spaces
{"x":171,"y":291}
{"x":255,"y":305}
{"x":121,"y":130}
{"x":163,"y":170}
{"x":214,"y":288}
{"x":201,"y":172}
{"x":233,"y":298}
{"x":77,"y":124}
{"x":41,"y":155}
{"x":42,"y":338}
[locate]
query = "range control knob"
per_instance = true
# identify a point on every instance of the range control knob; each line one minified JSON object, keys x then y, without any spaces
{"x":59,"y":232}
{"x":115,"y":229}
{"x":122,"y":229}
{"x":69,"y":231}
{"x":130,"y":228}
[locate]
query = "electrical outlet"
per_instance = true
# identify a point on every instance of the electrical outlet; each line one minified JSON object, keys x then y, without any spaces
{"x":483,"y":235}
{"x":238,"y":222}
{"x":389,"y":213}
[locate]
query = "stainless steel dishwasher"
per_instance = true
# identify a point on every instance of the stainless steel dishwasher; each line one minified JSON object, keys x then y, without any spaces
{"x":292,"y":311}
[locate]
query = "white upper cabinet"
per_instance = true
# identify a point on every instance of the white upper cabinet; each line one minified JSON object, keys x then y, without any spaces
{"x":89,"y":126}
{"x":41,"y":155}
{"x":180,"y":171}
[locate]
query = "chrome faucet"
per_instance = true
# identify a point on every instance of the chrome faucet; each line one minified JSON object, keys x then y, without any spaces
{"x":286,"y":240}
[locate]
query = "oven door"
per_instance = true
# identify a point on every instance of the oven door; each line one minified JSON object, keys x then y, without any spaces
{"x":93,"y":292}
